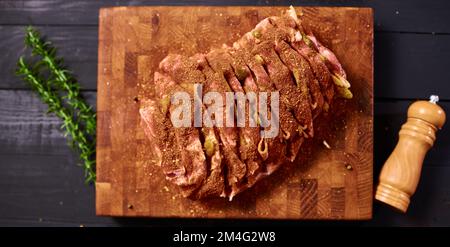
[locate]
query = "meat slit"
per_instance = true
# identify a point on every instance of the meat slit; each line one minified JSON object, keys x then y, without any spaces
{"x":235,"y":168}
{"x":298,"y":74}
{"x":221,"y":63}
{"x":314,"y":87}
{"x":247,"y":79}
{"x":189,"y":169}
{"x":276,"y":146}
{"x":280,"y":74}
{"x":186,"y":74}
{"x":291,"y":30}
{"x":279,"y":55}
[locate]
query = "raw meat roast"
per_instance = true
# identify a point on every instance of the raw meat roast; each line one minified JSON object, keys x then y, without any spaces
{"x":278,"y":55}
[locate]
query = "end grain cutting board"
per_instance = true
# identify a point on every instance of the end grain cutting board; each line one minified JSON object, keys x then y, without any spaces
{"x":326,"y":183}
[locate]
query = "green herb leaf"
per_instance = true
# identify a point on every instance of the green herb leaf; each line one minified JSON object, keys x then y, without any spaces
{"x":61,"y":92}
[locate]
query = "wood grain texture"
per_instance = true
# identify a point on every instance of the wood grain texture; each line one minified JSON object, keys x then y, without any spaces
{"x":38,"y":171}
{"x":392,"y":15}
{"x":34,"y":163}
{"x":401,"y":172}
{"x":40,"y":180}
{"x":26,"y":129}
{"x":77,"y":45}
{"x":402,"y":60}
{"x":132,"y":42}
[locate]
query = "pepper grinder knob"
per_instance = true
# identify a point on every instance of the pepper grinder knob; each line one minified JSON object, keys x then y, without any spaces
{"x":401,"y":172}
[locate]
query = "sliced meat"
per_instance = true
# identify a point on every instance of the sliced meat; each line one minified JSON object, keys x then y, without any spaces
{"x":300,"y":42}
{"x":295,"y":100}
{"x":274,"y":147}
{"x":289,"y":30}
{"x":154,"y":127}
{"x":185,"y":73}
{"x":288,"y":123}
{"x":303,"y":74}
{"x":189,"y":169}
{"x":252,"y":134}
{"x":331,"y":60}
{"x":214,"y":184}
{"x":305,"y":81}
{"x":222,"y":62}
{"x":278,"y":55}
{"x":236,"y":169}
{"x":267,"y":36}
{"x":262,"y":41}
{"x":337,"y":72}
{"x":297,"y":97}
{"x":319,"y":68}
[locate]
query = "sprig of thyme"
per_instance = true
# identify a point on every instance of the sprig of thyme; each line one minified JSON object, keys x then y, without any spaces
{"x":60,"y":88}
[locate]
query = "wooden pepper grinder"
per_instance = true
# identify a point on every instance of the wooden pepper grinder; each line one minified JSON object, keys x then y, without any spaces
{"x":401,"y":172}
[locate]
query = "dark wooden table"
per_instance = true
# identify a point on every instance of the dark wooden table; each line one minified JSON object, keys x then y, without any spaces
{"x":41,"y":184}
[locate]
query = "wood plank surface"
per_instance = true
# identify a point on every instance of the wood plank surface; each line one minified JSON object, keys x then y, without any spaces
{"x":132,"y":42}
{"x":77,"y":45}
{"x":391,"y":16}
{"x":28,"y":196}
{"x":39,"y":171}
{"x":402,"y":61}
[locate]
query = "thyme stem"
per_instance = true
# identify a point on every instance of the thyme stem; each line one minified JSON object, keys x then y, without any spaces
{"x":79,"y":119}
{"x":61,"y":78}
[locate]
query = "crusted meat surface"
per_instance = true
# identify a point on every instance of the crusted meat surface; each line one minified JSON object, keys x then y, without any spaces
{"x":279,"y":55}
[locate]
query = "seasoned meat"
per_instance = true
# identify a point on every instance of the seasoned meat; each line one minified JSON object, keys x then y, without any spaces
{"x":264,"y":40}
{"x":297,"y":98}
{"x":211,"y":159}
{"x":289,"y":25}
{"x":185,"y":73}
{"x":236,"y":168}
{"x":296,"y":113}
{"x":222,"y":63}
{"x":269,"y":76}
{"x":303,"y":74}
{"x":186,"y":167}
{"x":251,"y":136}
{"x":275,"y":148}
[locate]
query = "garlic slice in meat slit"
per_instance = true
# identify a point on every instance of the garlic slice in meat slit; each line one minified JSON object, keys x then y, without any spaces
{"x":263,"y":150}
{"x":234,"y":168}
{"x":266,"y":65}
{"x":336,"y":69}
{"x":188,"y":170}
{"x":184,"y":71}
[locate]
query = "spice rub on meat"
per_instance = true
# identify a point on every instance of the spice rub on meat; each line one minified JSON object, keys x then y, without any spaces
{"x":279,"y":55}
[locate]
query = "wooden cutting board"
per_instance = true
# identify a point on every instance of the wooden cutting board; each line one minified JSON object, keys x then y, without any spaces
{"x":325,"y":183}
